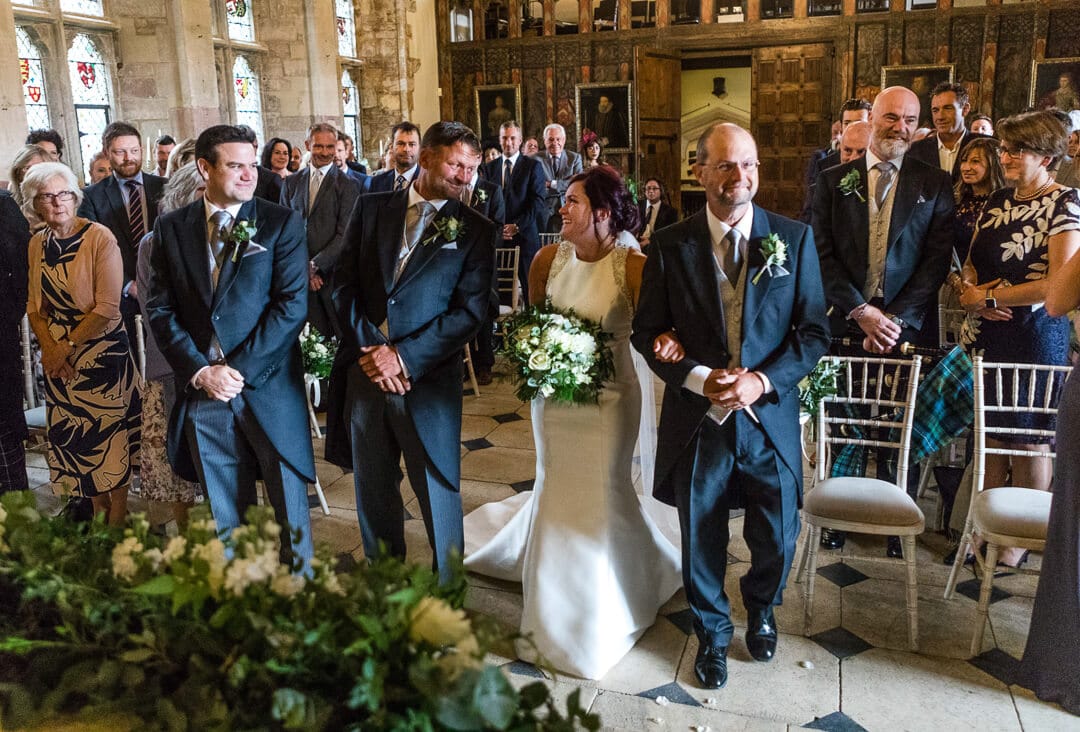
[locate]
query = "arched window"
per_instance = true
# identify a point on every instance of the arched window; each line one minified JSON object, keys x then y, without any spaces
{"x":246,"y":95}
{"x":90,"y":91}
{"x":350,"y":106}
{"x":239,"y":18}
{"x":82,"y":7}
{"x":346,"y":28}
{"x":33,"y":82}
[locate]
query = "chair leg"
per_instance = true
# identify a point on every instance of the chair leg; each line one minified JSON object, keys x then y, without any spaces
{"x":322,"y":497}
{"x":912,"y":591}
{"x":812,"y":539}
{"x":471,"y":371}
{"x":311,"y":414}
{"x":984,"y":598}
{"x":961,"y":554}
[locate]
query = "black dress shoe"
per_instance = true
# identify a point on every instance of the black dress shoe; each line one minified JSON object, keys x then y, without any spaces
{"x":832,"y":539}
{"x":894,"y":550}
{"x":761,"y":634}
{"x":710,"y":666}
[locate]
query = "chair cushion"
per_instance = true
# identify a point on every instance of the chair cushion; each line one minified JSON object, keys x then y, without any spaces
{"x":35,"y":418}
{"x":1022,"y":512}
{"x":862,"y":500}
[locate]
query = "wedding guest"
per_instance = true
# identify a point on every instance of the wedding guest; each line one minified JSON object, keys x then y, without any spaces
{"x":395,"y":389}
{"x":949,"y":103}
{"x":1051,"y":663}
{"x":654,"y":213}
{"x":729,"y":429}
{"x":227,"y":300}
{"x":276,"y":154}
{"x":1068,"y":173}
{"x":590,"y":149}
{"x":981,"y":124}
{"x":531,"y":146}
{"x":404,"y":154}
{"x":181,"y":155}
{"x":49,"y":141}
{"x":854,"y":141}
{"x":560,"y":165}
{"x":588,"y":596}
{"x":25,"y":159}
{"x":491,"y":152}
{"x":1005,"y":280}
{"x":14,"y":238}
{"x":99,"y":167}
{"x":91,"y":385}
{"x":157,"y":481}
{"x":295,"y":159}
{"x":162,"y":149}
{"x":980,"y":175}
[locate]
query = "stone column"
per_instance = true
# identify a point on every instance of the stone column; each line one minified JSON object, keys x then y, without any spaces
{"x":12,"y":112}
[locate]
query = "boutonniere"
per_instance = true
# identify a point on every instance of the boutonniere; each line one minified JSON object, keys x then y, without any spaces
{"x":481,"y":195}
{"x":239,"y":236}
{"x":850,"y":183}
{"x":774,"y":250}
{"x":449,"y":228}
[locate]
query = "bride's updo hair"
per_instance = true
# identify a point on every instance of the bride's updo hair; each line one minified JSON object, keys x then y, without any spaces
{"x":605,"y":189}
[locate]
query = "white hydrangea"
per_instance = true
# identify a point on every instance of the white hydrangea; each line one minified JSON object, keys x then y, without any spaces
{"x":434,"y":621}
{"x":287,"y":584}
{"x":174,"y":549}
{"x":123,"y":559}
{"x":213,"y":553}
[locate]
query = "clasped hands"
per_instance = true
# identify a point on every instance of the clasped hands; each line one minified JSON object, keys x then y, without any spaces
{"x":54,"y":360}
{"x":732,"y":389}
{"x":973,"y":299}
{"x":382,"y":365}
{"x":220,"y":381}
{"x":881,"y":332}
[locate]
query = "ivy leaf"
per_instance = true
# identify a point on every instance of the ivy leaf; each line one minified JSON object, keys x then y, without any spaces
{"x":163,"y":584}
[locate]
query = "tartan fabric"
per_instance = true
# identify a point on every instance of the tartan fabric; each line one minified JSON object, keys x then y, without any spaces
{"x":944,"y":404}
{"x":12,"y":462}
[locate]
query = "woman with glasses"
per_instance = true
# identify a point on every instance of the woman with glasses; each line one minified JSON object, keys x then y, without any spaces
{"x":1024,"y":234}
{"x":91,"y":387}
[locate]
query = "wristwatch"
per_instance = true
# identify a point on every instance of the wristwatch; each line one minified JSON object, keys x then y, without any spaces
{"x":991,"y":301}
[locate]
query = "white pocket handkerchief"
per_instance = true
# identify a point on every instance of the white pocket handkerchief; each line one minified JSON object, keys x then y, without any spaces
{"x":922,"y":199}
{"x":254,"y":247}
{"x":449,"y":245}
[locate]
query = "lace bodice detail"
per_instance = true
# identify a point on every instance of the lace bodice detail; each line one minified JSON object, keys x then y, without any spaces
{"x":595,"y":290}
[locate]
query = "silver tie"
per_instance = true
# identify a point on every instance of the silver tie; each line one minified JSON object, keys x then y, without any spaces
{"x":417,"y":219}
{"x":221,"y":220}
{"x":313,"y":189}
{"x":732,"y":261}
{"x":886,"y":172}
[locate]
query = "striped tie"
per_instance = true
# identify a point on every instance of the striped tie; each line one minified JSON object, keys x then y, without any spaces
{"x":135,"y":212}
{"x":400,"y":183}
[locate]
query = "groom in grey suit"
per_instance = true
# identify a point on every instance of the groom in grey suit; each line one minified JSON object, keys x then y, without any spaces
{"x":751,"y":328}
{"x":560,"y":165}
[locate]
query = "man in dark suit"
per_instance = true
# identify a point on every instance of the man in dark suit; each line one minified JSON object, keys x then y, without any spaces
{"x":405,"y":147}
{"x":653,"y":211}
{"x":268,"y":185}
{"x":560,"y":165}
{"x":883,"y":227}
{"x":341,"y":161}
{"x":325,"y":197}
{"x":949,"y":105}
{"x":853,"y":110}
{"x":126,"y":203}
{"x":522,"y":181}
{"x":487,"y":199}
{"x":411,"y":291}
{"x":226,"y":312}
{"x":14,"y":239}
{"x":729,"y":430}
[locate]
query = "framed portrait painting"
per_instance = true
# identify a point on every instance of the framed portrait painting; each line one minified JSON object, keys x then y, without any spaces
{"x":1055,"y":83}
{"x":606,"y":109}
{"x":920,"y":79}
{"x":495,"y":104}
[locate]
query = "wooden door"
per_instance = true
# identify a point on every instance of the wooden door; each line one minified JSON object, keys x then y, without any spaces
{"x":658,"y":78}
{"x":791,"y":89}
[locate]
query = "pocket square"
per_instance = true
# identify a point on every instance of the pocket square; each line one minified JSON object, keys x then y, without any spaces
{"x":254,"y":247}
{"x":922,"y":199}
{"x":449,"y":245}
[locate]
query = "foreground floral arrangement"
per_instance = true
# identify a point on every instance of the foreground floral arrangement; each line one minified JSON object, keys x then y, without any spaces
{"x":557,"y":355}
{"x":193,"y":632}
{"x":318,"y":353}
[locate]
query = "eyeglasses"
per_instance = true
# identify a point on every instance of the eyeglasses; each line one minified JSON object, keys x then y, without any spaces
{"x":62,"y":196}
{"x":1011,"y":153}
{"x":726,"y":167}
{"x":652,"y":188}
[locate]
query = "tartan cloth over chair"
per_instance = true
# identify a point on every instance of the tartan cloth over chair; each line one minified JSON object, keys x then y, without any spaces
{"x":944,"y":404}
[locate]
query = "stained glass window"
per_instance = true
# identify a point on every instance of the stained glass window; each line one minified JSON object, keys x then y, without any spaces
{"x":33,"y":82}
{"x":350,"y":105}
{"x":246,"y":95}
{"x":346,"y":28}
{"x":82,"y":7}
{"x":241,"y":24}
{"x":91,"y":94}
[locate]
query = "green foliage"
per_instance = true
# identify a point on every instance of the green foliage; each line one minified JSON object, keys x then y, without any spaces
{"x":318,"y":353}
{"x":818,"y":384}
{"x":203,"y":634}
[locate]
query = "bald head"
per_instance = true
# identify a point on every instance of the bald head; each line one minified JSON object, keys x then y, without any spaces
{"x":854,"y":141}
{"x":727,"y":168}
{"x":894,"y":117}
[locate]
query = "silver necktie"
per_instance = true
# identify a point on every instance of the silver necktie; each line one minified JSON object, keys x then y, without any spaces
{"x":416,"y":221}
{"x":886,"y":171}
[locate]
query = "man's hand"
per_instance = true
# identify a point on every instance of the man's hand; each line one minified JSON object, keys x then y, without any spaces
{"x":394,"y":385}
{"x":379,"y":363}
{"x":510,"y":231}
{"x":668,"y":348}
{"x":221,"y":382}
{"x":315,"y":280}
{"x":733,"y":389}
{"x":881,"y":333}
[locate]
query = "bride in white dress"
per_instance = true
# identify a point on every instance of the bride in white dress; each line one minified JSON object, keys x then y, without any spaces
{"x":593,"y":564}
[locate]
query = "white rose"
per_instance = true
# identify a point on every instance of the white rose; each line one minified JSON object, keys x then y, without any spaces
{"x":287,"y":584}
{"x":174,"y":549}
{"x":539,"y":361}
{"x":433,"y":621}
{"x":466,"y":654}
{"x":547,"y":390}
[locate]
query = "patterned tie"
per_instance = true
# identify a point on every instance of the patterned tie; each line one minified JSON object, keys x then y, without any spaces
{"x":886,"y":171}
{"x":732,"y":260}
{"x":507,"y":169}
{"x":135,"y":212}
{"x":399,"y":183}
{"x":416,"y":220}
{"x":313,"y":188}
{"x":221,"y":220}
{"x":555,"y":167}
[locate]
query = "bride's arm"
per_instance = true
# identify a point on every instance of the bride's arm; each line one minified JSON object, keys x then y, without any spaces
{"x":538,"y":274}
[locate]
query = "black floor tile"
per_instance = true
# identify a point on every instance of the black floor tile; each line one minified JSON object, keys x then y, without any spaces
{"x":522,"y":485}
{"x":970,"y":589}
{"x":673,"y":693}
{"x":836,"y":722}
{"x":683,"y":620}
{"x":841,"y":574}
{"x":479,"y":443}
{"x":504,"y":418}
{"x":521,"y":668}
{"x":998,"y":664}
{"x":841,"y":643}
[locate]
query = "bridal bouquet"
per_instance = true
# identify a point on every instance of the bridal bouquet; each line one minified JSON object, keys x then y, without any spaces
{"x":557,"y":355}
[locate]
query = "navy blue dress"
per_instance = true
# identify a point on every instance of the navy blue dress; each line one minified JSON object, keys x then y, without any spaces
{"x":1012,"y":242}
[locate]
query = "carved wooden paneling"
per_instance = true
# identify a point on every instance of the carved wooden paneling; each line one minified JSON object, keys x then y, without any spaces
{"x":966,"y":47}
{"x":869,"y":58}
{"x":497,"y":66}
{"x":1014,"y":54}
{"x":534,"y":101}
{"x":565,"y":114}
{"x":1063,"y":34}
{"x":467,"y":61}
{"x":919,"y":46}
{"x":537,"y":56}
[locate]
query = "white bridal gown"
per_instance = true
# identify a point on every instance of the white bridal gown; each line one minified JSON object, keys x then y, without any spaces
{"x":593,"y":564}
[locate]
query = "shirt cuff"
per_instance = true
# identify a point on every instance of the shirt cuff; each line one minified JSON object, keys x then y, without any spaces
{"x":695,"y":380}
{"x":195,"y":378}
{"x":404,"y":368}
{"x":765,"y":381}
{"x":127,"y":287}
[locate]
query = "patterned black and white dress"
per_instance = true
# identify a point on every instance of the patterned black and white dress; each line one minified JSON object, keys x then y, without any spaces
{"x":92,"y":418}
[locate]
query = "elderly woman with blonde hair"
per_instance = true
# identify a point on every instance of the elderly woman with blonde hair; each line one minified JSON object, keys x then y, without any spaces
{"x":169,"y":495}
{"x":91,"y":386}
{"x":25,"y":159}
